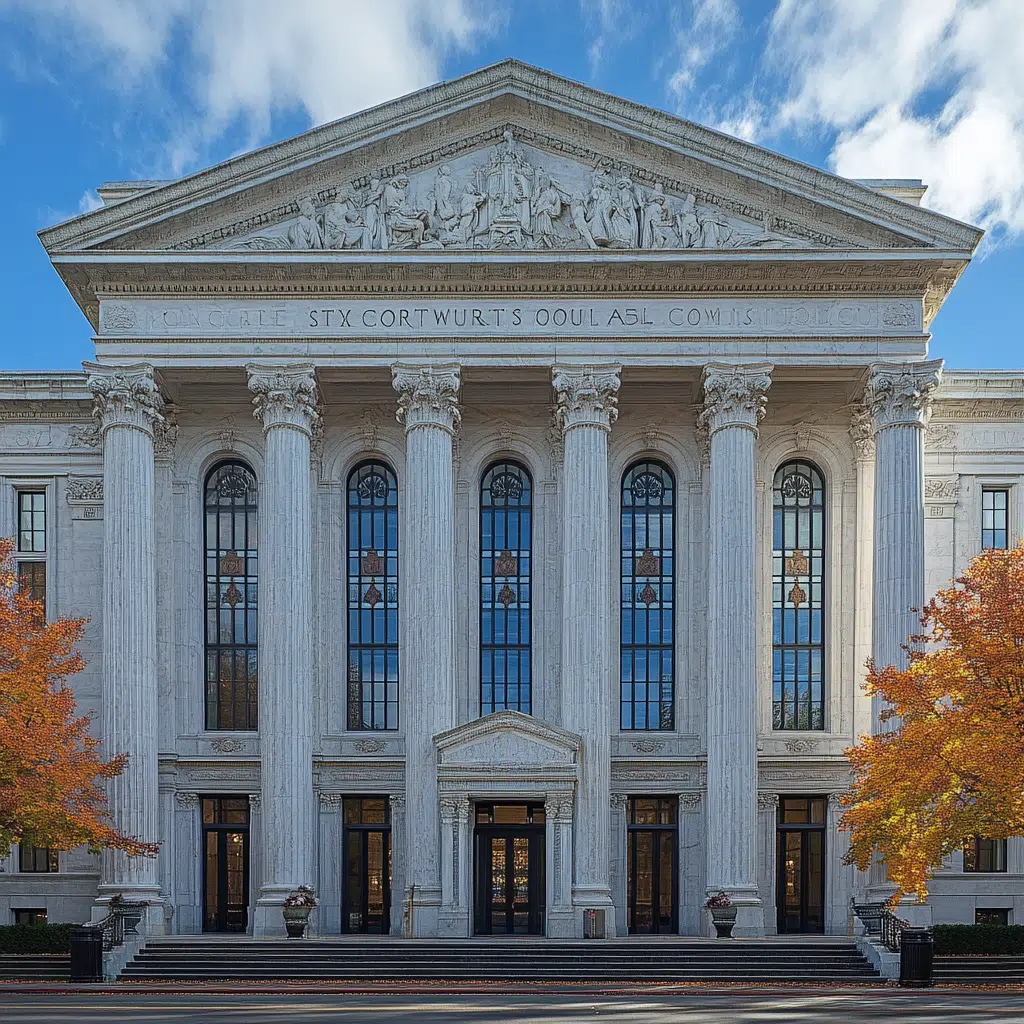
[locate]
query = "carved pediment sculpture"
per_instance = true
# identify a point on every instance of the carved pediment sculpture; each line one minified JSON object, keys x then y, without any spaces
{"x":512,"y":197}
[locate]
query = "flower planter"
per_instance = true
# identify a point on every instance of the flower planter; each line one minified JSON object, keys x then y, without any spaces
{"x":723,"y":919}
{"x":295,"y":921}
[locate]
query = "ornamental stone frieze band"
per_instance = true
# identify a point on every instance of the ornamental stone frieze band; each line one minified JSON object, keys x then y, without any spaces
{"x":902,"y":393}
{"x":586,"y":395}
{"x":284,"y":395}
{"x":428,"y":394}
{"x":125,"y":395}
{"x":735,"y":394}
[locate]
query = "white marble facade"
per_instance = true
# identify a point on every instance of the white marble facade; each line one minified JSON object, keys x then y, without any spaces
{"x":463,"y":276}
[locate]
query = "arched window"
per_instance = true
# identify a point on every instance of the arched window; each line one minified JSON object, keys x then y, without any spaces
{"x":372,"y":597}
{"x":506,"y":565}
{"x":229,"y":536}
{"x":798,"y":627}
{"x":647,"y":629}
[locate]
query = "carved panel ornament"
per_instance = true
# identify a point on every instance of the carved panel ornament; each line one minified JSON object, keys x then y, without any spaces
{"x":942,"y":488}
{"x":83,"y":436}
{"x":902,"y":393}
{"x":82,"y":489}
{"x":372,"y":564}
{"x":510,"y":197}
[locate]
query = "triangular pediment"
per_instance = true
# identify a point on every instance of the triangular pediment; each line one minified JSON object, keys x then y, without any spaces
{"x":506,"y":740}
{"x":508,"y":159}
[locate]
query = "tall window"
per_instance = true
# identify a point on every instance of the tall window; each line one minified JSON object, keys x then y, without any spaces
{"x":798,"y":628}
{"x":647,"y":631}
{"x":984,"y":855}
{"x":32,"y":545}
{"x":231,"y":612}
{"x":37,"y":858}
{"x":372,"y":597}
{"x":506,"y":543}
{"x":994,"y":512}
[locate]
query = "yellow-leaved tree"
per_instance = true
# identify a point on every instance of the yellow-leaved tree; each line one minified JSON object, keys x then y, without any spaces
{"x":953,"y":765}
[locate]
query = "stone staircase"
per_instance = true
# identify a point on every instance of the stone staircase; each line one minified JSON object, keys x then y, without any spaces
{"x":978,"y":970}
{"x":502,"y":961}
{"x":34,"y":967}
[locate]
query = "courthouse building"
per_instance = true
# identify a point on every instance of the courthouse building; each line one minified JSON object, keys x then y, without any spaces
{"x":485,"y":506}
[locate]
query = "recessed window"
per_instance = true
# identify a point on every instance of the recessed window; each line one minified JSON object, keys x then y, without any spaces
{"x":995,"y":503}
{"x":32,"y":581}
{"x":30,"y":915}
{"x":992,"y":915}
{"x":32,"y":521}
{"x":37,"y":858}
{"x":985,"y":855}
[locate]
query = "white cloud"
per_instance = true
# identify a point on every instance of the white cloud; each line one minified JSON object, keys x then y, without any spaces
{"x":244,"y":60}
{"x":90,"y":201}
{"x":611,"y":23}
{"x":913,"y":88}
{"x":710,"y":27}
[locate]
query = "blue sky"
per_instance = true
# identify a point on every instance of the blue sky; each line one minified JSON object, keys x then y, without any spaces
{"x":97,"y":90}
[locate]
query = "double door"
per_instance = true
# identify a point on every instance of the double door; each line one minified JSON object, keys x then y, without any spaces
{"x":800,"y":861}
{"x":225,"y":864}
{"x":509,"y":869}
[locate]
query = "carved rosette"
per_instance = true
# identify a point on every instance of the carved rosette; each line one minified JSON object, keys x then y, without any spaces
{"x":902,"y":393}
{"x":125,"y":396}
{"x":428,"y":395}
{"x":735,"y":395}
{"x":284,"y":395}
{"x":862,"y":433}
{"x":586,"y":396}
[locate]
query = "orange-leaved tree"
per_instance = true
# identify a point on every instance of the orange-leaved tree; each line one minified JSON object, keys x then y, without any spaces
{"x":953,"y":765}
{"x":51,"y":771}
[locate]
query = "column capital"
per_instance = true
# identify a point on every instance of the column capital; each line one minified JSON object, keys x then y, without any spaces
{"x":428,"y":394}
{"x":767,"y":801}
{"x":125,"y":395}
{"x":690,"y":801}
{"x":902,"y":393}
{"x":862,"y":432}
{"x":735,"y":395}
{"x":586,"y":395}
{"x":186,"y":801}
{"x":285,"y":395}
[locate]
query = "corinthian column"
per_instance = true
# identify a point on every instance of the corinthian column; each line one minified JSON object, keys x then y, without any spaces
{"x":128,"y":406}
{"x":428,"y":406}
{"x":587,"y":397}
{"x":735,"y":395}
{"x":899,"y":396}
{"x":285,"y":403}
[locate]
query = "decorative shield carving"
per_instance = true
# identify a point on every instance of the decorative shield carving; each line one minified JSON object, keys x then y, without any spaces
{"x":797,"y":564}
{"x":231,"y":564}
{"x":506,"y":564}
{"x":232,"y":595}
{"x":372,"y":596}
{"x":372,"y":564}
{"x":506,"y":595}
{"x":648,"y":595}
{"x":797,"y":596}
{"x":648,"y":564}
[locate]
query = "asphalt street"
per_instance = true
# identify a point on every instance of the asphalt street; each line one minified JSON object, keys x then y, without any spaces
{"x":256,"y":1008}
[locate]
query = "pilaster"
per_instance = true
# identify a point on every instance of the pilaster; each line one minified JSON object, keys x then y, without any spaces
{"x":188,"y":859}
{"x":560,"y":914}
{"x":128,"y":406}
{"x":838,"y":876}
{"x":586,"y":409}
{"x":620,"y":860}
{"x":692,"y":863}
{"x":455,"y":867}
{"x":331,"y":862}
{"x":862,"y":434}
{"x":428,"y":406}
{"x":767,"y":825}
{"x":735,"y":395}
{"x":284,"y":401}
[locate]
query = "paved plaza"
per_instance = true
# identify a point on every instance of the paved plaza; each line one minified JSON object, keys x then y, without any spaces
{"x":255,"y":1008}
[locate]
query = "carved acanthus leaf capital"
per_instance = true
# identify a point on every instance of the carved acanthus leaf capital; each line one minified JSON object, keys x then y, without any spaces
{"x":125,"y":395}
{"x":902,"y":393}
{"x":284,"y":395}
{"x":767,"y":801}
{"x":428,"y":394}
{"x":586,"y":395}
{"x":862,"y":432}
{"x":186,"y":801}
{"x":735,"y":395}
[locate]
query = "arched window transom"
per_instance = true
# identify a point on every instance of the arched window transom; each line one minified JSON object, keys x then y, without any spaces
{"x":372,"y":597}
{"x":230,"y":541}
{"x":798,"y":626}
{"x":647,"y":614}
{"x":506,"y":567}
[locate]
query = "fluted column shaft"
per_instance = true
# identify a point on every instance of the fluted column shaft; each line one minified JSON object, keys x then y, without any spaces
{"x":128,"y":404}
{"x":734,"y":400}
{"x":587,"y":398}
{"x":285,"y":402}
{"x":428,"y":406}
{"x":899,"y":396}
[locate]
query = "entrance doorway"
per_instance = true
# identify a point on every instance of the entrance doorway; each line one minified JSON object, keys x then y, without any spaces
{"x":652,"y":900}
{"x":225,"y":863}
{"x":366,"y":892}
{"x":509,"y":869}
{"x":800,"y":862}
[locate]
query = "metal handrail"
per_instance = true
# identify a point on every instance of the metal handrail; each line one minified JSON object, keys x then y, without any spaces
{"x":870,"y":915}
{"x":892,"y":930}
{"x":123,"y":919}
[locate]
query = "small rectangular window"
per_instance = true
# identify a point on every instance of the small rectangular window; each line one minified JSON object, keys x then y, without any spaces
{"x":653,"y":810}
{"x":37,"y":858}
{"x":30,"y":915}
{"x":31,"y":521}
{"x":32,"y":580}
{"x":992,"y":915}
{"x":995,"y":505}
{"x":985,"y":855}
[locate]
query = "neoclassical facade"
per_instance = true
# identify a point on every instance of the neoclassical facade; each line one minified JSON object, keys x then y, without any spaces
{"x":485,"y":506}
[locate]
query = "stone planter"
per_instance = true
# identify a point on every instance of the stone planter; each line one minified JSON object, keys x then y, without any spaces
{"x":723,"y":918}
{"x":295,"y":920}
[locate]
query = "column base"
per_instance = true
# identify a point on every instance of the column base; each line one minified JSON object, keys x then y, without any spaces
{"x":453,"y":922}
{"x":422,"y":912}
{"x":593,"y":897}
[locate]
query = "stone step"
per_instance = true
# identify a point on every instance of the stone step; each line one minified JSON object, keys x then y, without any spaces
{"x":34,"y":966}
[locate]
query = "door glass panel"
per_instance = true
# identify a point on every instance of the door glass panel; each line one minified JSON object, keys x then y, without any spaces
{"x":499,"y":898}
{"x":355,"y":892}
{"x":521,"y":884}
{"x":212,"y":878}
{"x":814,"y":846}
{"x":644,"y":917}
{"x":235,"y":911}
{"x":666,"y":887}
{"x":375,"y":879}
{"x":793,"y":866}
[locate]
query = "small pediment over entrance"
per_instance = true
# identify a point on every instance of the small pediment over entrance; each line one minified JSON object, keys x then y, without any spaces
{"x":506,"y":742}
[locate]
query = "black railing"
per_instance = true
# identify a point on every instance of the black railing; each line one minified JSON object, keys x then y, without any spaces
{"x":870,"y":915}
{"x":892,"y":930}
{"x":122,"y":920}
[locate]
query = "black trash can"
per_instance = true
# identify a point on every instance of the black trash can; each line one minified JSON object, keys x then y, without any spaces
{"x":916,"y":950}
{"x":87,"y":954}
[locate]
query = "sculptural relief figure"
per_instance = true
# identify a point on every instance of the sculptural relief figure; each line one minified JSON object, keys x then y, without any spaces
{"x":406,"y":226}
{"x":658,"y":229}
{"x":373,"y":215}
{"x":549,"y":205}
{"x":509,"y":184}
{"x":470,"y":212}
{"x":715,"y":230}
{"x":687,"y":225}
{"x":305,"y":232}
{"x":343,"y":225}
{"x":625,"y":219}
{"x":578,"y":210}
{"x":600,"y":212}
{"x":444,"y":214}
